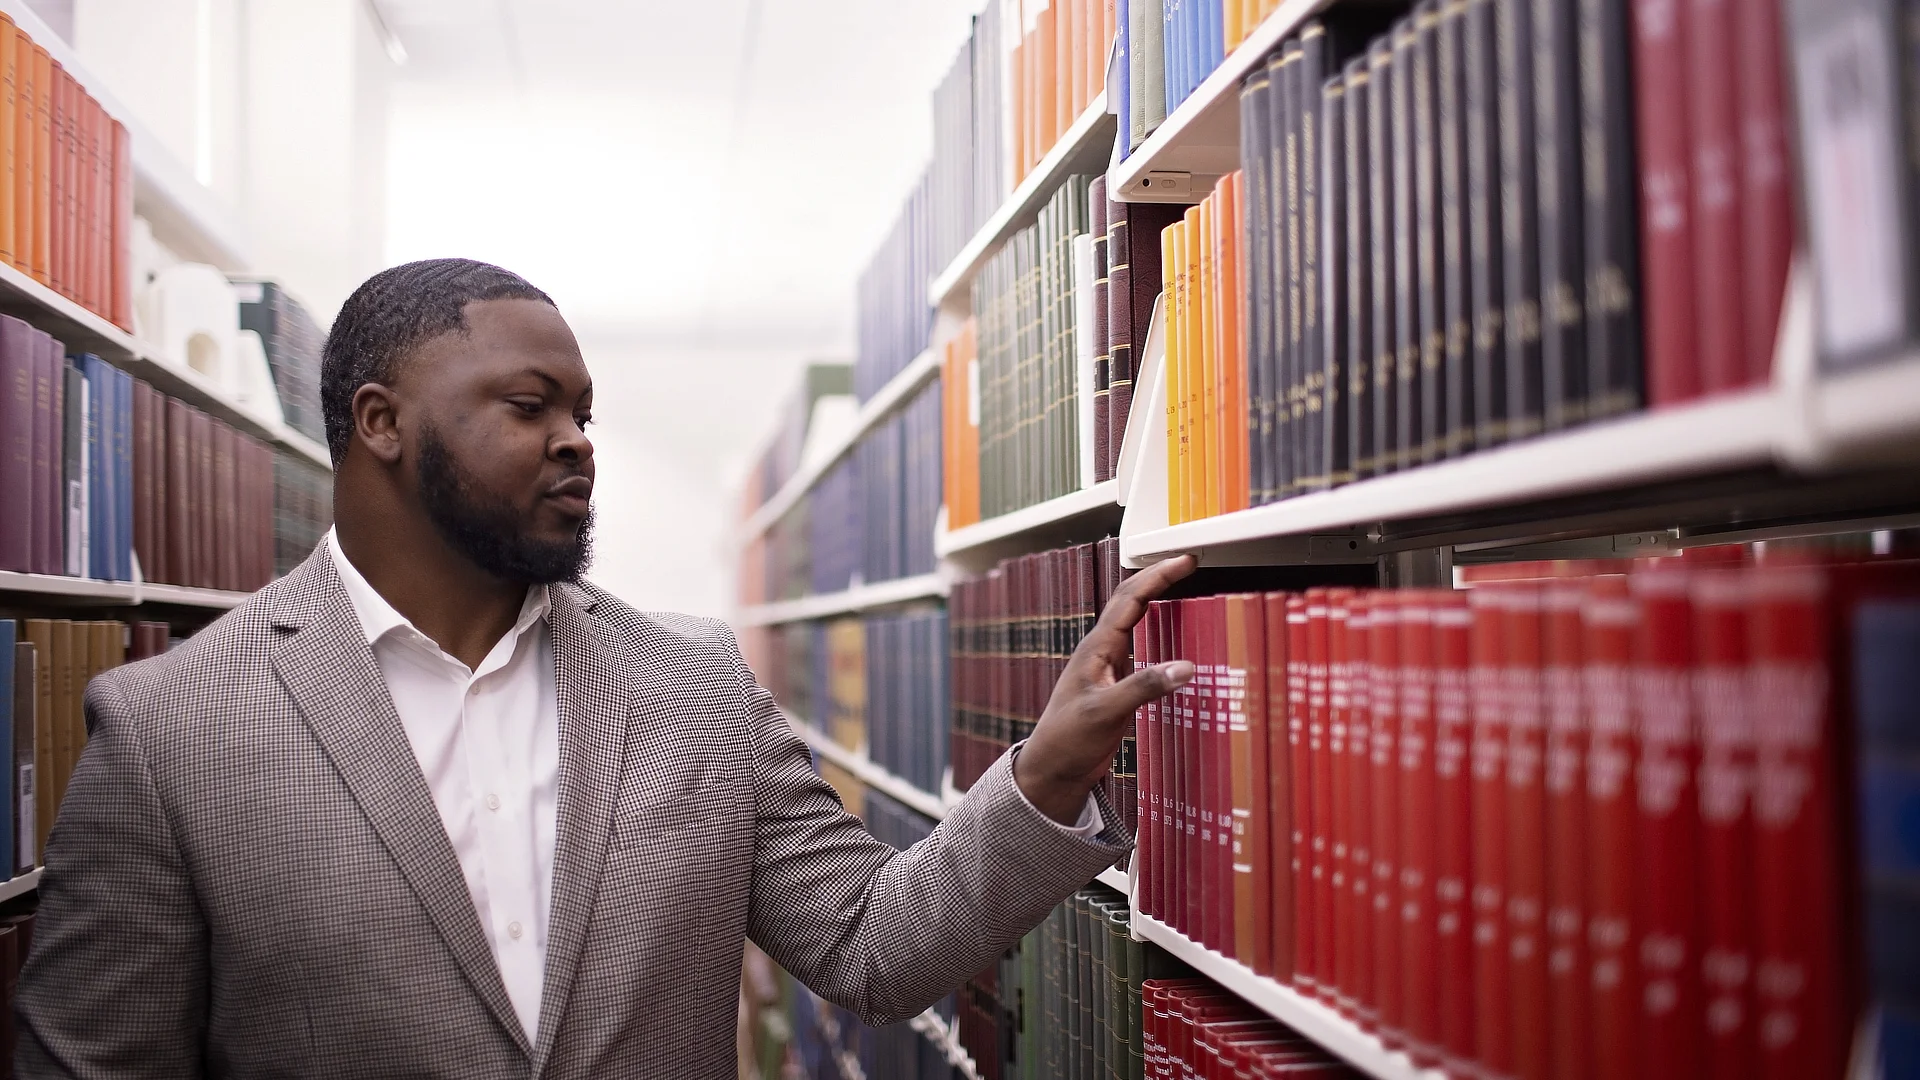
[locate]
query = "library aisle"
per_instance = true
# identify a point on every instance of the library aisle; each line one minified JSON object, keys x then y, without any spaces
{"x":1535,"y":384}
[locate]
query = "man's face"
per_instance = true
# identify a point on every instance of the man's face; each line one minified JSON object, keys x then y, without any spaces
{"x":503,"y":466}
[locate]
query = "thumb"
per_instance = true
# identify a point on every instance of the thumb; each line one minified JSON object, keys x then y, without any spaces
{"x":1145,"y":685}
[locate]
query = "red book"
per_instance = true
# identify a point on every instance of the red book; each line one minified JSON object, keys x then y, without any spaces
{"x":1666,"y":902}
{"x":226,"y":519}
{"x":1448,"y":645}
{"x":1610,"y":623}
{"x":206,"y":535}
{"x":1339,"y":770}
{"x":1802,"y":1021}
{"x":1191,"y":875}
{"x":1306,"y":958}
{"x":1724,"y":707}
{"x":122,"y":227}
{"x":1320,"y":831}
{"x":1565,"y":783}
{"x":1220,"y":781}
{"x":1384,"y":786}
{"x":1524,"y":665}
{"x":1247,"y":728}
{"x":1714,"y":116}
{"x":179,"y":521}
{"x":1167,"y":761}
{"x":1279,"y":790}
{"x":1360,"y":985}
{"x":1143,"y":726}
{"x":1766,"y":194}
{"x":1666,"y":200}
{"x":1492,"y":975}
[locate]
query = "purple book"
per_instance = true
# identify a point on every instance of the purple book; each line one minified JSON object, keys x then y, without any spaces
{"x":18,"y":370}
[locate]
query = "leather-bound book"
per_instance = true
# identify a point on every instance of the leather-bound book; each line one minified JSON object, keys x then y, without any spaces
{"x":18,"y":362}
{"x":1713,"y":110}
{"x":1454,"y":434}
{"x":1279,"y":807}
{"x":121,"y":267}
{"x":1320,"y":808}
{"x":74,"y":508}
{"x":1257,"y":248}
{"x":1486,"y":292}
{"x":177,"y":508}
{"x":1332,"y":447}
{"x":226,"y":512}
{"x":1615,"y":368}
{"x":1667,"y":204}
{"x":1285,"y":74}
{"x":1563,"y":780}
{"x":1360,"y":801}
{"x":1522,"y":673}
{"x":1377,"y":446}
{"x":1610,"y":621}
{"x":40,"y":496}
{"x":59,"y":172}
{"x":1519,"y":215}
{"x":1247,"y":730}
{"x":28,"y":675}
{"x":1307,"y":958}
{"x":207,"y":535}
{"x":9,"y":108}
{"x":1405,"y":398}
{"x":1424,"y":387}
{"x":49,"y":658}
{"x":1493,"y":1012}
{"x":1356,"y":392}
{"x":1561,"y":206}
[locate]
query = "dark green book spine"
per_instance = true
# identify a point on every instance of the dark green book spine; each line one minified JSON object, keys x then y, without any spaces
{"x":1256,"y":246}
{"x":1357,"y":406}
{"x":1519,"y":216}
{"x":1483,"y":224}
{"x":1385,"y":243}
{"x":1456,"y":420}
{"x":1563,"y":273}
{"x":1334,"y":322}
{"x":1311,"y":438}
{"x":1427,"y":388}
{"x":1609,"y":177}
{"x":1406,"y":248}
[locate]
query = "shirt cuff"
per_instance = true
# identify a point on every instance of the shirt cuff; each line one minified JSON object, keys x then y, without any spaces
{"x":1091,"y":824}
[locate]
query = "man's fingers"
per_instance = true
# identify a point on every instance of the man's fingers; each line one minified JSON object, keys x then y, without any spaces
{"x":1144,"y":685}
{"x":1129,"y":601}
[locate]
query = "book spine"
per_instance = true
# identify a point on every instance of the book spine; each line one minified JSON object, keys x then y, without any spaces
{"x":1187,"y":905}
{"x":1331,"y":450}
{"x":1526,"y":833}
{"x":1232,"y":413}
{"x":1393,"y":798}
{"x":1220,"y":781}
{"x":1290,"y":390}
{"x":1098,"y":329}
{"x":1246,"y":686}
{"x":1561,"y":208}
{"x":1611,"y":239}
{"x":1320,"y":760}
{"x":1406,"y":245}
{"x":1256,"y":127}
{"x":1427,"y":389}
{"x":1713,"y":114}
{"x":1564,"y":780}
{"x":1454,"y":434}
{"x":1436,"y":662}
{"x":1519,"y":216}
{"x":10,"y":676}
{"x":1481,"y":104}
{"x":1665,"y":145}
{"x":1766,"y":194}
{"x":28,"y":677}
{"x":1357,"y":387}
{"x":38,"y":498}
{"x":1384,"y":245}
{"x":18,"y":362}
{"x":1279,"y":806}
{"x":1360,"y":800}
{"x":1340,"y":823}
{"x":1723,"y":712}
{"x":1307,"y":958}
{"x":73,"y":472}
{"x":1493,"y":1012}
{"x":99,"y":447}
{"x":1204,"y":892}
{"x":1311,"y":421}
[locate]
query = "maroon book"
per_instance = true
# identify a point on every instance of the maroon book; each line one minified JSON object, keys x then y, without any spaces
{"x":143,"y":482}
{"x":1714,"y":113}
{"x":18,"y":365}
{"x":200,"y":477}
{"x":1133,"y":280}
{"x":1666,"y":200}
{"x":178,"y":505}
{"x":55,"y":522}
{"x":1103,"y":435}
{"x":44,"y":553}
{"x":1766,"y":194}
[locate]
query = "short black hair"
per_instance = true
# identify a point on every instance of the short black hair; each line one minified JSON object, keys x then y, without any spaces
{"x":393,"y":313}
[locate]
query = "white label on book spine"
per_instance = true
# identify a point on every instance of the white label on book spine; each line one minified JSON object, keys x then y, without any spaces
{"x":973,"y":393}
{"x":1848,"y":106}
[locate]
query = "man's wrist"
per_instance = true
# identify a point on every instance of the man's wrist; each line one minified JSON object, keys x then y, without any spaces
{"x":1061,"y":798}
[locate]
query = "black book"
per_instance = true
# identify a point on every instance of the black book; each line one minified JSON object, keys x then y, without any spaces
{"x":1330,"y":450}
{"x":1615,"y":378}
{"x":1354,"y":418}
{"x":1310,"y":420}
{"x":1454,"y":435}
{"x":1488,"y":298}
{"x":1406,"y":251}
{"x":1287,"y":291}
{"x":1519,"y":221}
{"x":1556,"y":134}
{"x":1256,"y":142}
{"x":1420,"y":428}
{"x":1384,"y":240}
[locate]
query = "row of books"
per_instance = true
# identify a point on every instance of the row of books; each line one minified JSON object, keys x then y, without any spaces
{"x":972,"y":169}
{"x":1593,"y":824}
{"x":45,"y":665}
{"x":1166,"y":48}
{"x":892,"y":319}
{"x":906,"y":698}
{"x":16,"y":938}
{"x":293,"y":342}
{"x":1013,"y":630}
{"x":780,"y":459}
{"x":66,"y":216}
{"x":302,"y":510}
{"x":1056,"y":70}
{"x":1195,"y":1029}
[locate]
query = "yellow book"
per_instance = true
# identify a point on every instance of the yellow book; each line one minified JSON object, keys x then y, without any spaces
{"x":1207,"y":400}
{"x":1171,"y":262}
{"x":1194,"y":361}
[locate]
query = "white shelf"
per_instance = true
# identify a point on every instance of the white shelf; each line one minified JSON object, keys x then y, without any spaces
{"x":117,"y":593}
{"x":1868,"y":415}
{"x":1333,"y":1032}
{"x":859,"y":598}
{"x":867,"y":772}
{"x":1101,"y":498}
{"x":898,"y":391}
{"x":80,"y":330}
{"x":1086,"y":144}
{"x":1698,"y":439}
{"x":21,"y":885}
{"x":1201,"y":137}
{"x":1116,"y":879}
{"x":931,"y":1025}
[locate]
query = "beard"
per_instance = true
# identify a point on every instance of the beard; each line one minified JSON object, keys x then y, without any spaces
{"x":489,"y":532}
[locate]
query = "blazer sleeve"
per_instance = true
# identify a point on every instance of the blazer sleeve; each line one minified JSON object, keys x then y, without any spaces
{"x":886,"y":933}
{"x":116,"y":983}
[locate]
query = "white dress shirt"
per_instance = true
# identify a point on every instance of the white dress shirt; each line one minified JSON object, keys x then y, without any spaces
{"x":488,"y":741}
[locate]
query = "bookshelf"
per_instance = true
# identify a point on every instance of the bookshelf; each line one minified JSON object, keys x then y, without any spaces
{"x":1084,"y":147}
{"x":881,"y":594}
{"x":898,"y":391}
{"x":21,"y":885}
{"x":1199,"y":141}
{"x":868,"y":773}
{"x":941,"y":1034}
{"x":1033,"y":528}
{"x":1325,"y":1026}
{"x":79,"y":590}
{"x":1116,"y":879}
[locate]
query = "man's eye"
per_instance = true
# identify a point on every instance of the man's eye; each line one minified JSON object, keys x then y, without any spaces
{"x":584,"y":421}
{"x":531,"y":408}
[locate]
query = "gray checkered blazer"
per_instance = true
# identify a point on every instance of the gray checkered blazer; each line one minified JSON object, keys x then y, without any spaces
{"x":249,"y":878}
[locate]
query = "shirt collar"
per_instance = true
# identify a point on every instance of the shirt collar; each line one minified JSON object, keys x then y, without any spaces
{"x":378,"y":618}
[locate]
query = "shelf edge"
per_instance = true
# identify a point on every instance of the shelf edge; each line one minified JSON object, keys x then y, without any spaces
{"x":867,"y":772}
{"x":1063,"y":508}
{"x":848,"y":601}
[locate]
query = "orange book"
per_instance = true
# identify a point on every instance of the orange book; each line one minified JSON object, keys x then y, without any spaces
{"x":9,"y":83}
{"x":102,"y":188}
{"x":1233,"y":366}
{"x":1232,"y":26}
{"x":1046,"y":83}
{"x":1208,"y":404}
{"x":122,"y":229}
{"x":1070,"y":32}
{"x":963,"y":430}
{"x":1172,"y":271}
{"x":85,"y":248}
{"x":22,"y":191}
{"x":1192,"y":386}
{"x":60,"y":172}
{"x":42,"y":164}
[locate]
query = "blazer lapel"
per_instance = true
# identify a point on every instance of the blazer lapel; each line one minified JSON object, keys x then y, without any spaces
{"x":328,"y":668}
{"x":596,"y":695}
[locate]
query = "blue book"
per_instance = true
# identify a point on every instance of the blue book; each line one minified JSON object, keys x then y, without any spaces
{"x":123,"y":474}
{"x":1123,"y":79}
{"x":101,"y":505}
{"x":1170,"y":14}
{"x":9,"y":635}
{"x":1886,"y":688}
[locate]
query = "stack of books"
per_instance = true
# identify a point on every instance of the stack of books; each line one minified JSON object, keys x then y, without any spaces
{"x":1194,"y":1028}
{"x":905,"y":661}
{"x":1593,"y":817}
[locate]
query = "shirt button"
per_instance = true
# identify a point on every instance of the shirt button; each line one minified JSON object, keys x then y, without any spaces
{"x":513,"y":930}
{"x":493,"y":802}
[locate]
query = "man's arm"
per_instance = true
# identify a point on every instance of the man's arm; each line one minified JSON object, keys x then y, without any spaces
{"x":887,"y":933}
{"x":116,"y":985}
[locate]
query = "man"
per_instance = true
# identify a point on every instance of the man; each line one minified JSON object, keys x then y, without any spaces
{"x":432,"y":806}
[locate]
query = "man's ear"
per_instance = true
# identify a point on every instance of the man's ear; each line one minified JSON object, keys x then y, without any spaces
{"x":376,"y":422}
